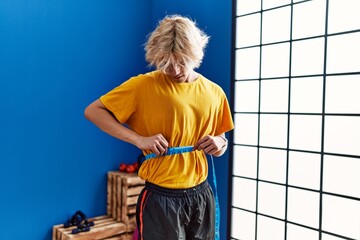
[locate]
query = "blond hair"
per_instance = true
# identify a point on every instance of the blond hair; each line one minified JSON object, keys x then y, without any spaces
{"x":176,"y":40}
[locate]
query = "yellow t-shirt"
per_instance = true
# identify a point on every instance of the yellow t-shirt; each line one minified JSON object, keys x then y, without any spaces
{"x":183,"y":113}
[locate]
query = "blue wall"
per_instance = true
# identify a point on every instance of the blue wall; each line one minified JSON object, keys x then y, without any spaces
{"x":214,"y":17}
{"x":55,"y":58}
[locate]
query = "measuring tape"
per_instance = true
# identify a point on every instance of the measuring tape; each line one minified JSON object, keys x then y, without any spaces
{"x":179,"y":150}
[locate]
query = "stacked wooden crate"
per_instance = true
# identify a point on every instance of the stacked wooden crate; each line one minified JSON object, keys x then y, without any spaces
{"x":123,"y":190}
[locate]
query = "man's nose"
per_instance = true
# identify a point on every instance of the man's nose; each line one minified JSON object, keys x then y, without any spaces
{"x":177,"y":69}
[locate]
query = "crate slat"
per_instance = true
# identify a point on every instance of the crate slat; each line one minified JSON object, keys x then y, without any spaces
{"x":100,"y":232}
{"x":109,"y":195}
{"x":104,"y":227}
{"x":135,"y":190}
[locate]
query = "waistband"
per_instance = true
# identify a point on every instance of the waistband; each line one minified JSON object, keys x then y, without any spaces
{"x":181,"y":192}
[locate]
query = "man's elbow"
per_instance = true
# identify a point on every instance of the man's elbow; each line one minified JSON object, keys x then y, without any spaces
{"x":88,"y":112}
{"x":91,"y":109}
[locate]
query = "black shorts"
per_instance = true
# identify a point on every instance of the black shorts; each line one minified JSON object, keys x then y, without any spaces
{"x":172,"y":214}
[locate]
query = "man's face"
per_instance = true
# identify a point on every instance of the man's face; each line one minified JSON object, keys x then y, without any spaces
{"x":179,"y":72}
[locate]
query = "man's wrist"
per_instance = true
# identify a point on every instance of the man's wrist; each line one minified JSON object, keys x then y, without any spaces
{"x":224,"y":140}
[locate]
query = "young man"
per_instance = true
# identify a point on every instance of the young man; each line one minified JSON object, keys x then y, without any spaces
{"x":172,"y":106}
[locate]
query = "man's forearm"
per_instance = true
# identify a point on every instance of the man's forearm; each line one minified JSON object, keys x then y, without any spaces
{"x":105,"y":121}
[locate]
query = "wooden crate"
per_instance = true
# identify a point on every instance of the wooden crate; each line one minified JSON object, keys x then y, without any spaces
{"x":105,"y":227}
{"x":123,"y":192}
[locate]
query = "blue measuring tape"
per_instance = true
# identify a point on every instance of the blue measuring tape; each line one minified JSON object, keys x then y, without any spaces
{"x":171,"y":151}
{"x":178,"y":150}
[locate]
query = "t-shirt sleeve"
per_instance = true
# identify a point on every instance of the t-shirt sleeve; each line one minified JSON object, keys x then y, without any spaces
{"x":121,"y":101}
{"x":225,"y":121}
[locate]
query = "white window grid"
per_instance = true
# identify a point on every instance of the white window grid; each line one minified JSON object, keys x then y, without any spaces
{"x":263,"y":130}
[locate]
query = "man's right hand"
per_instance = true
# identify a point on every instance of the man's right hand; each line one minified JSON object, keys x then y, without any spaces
{"x":156,"y":144}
